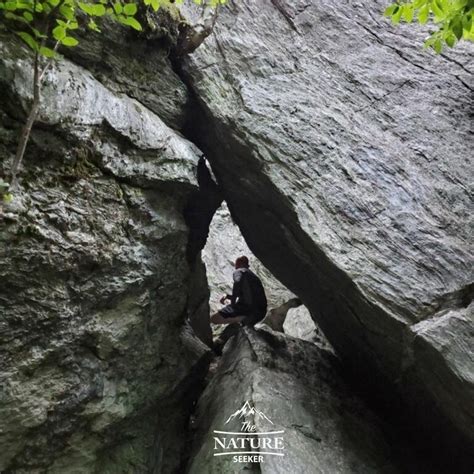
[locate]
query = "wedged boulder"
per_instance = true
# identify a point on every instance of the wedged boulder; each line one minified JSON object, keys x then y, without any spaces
{"x":302,"y":326}
{"x":294,"y":387}
{"x":98,"y":370}
{"x":276,"y":317}
{"x":342,"y":148}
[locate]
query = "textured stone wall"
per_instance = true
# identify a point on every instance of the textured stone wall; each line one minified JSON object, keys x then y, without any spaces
{"x":98,"y":370}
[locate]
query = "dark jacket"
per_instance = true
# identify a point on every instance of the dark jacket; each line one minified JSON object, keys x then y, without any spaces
{"x":248,"y":291}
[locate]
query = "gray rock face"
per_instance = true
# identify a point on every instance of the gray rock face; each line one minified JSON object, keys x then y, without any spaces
{"x":129,"y":64}
{"x":297,"y":387}
{"x":98,"y":370}
{"x":342,"y":149}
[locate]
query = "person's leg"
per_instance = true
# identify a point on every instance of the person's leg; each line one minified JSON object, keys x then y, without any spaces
{"x":235,"y":319}
{"x":226,"y":334}
{"x":217,"y":318}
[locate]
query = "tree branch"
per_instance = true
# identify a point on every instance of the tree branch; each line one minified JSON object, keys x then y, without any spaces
{"x":192,"y":36}
{"x":25,"y":133}
{"x":38,"y":77}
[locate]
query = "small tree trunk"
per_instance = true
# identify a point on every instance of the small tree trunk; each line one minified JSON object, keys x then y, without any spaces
{"x":192,"y":36}
{"x":26,"y":131}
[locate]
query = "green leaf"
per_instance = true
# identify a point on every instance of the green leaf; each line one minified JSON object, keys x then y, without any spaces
{"x":93,"y":26}
{"x":59,"y":33}
{"x":129,"y":21}
{"x":99,"y":10}
{"x":390,"y":10}
{"x":87,"y":8}
{"x":450,"y":40}
{"x":67,"y":12}
{"x":155,"y":4}
{"x":423,"y":14}
{"x":15,"y":17}
{"x":467,"y":22}
{"x":69,"y":41}
{"x":48,"y":52}
{"x":28,"y":39}
{"x":130,"y":9}
{"x":397,"y":15}
{"x":445,"y":5}
{"x":28,"y":16}
{"x":7,"y":198}
{"x":438,"y":45}
{"x":118,"y":8}
{"x":38,"y":33}
{"x":456,"y":27}
{"x":92,"y":9}
{"x":408,"y":13}
{"x":11,"y":6}
{"x":437,"y":10}
{"x":22,"y":6}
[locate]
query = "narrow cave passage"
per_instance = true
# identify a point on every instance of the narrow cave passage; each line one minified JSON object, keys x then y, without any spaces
{"x":267,"y":369}
{"x":224,"y":244}
{"x":215,"y":242}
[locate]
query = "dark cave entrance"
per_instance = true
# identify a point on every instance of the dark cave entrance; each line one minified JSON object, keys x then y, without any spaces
{"x":224,"y":244}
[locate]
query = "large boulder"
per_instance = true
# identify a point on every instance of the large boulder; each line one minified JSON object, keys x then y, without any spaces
{"x":341,"y":147}
{"x":297,"y":392}
{"x":98,"y":370}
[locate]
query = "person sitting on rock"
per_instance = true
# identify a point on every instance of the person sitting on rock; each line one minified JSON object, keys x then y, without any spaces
{"x":248,"y":303}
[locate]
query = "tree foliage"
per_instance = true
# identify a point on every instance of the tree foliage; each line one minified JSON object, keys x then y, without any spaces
{"x":453,"y":18}
{"x":46,"y":24}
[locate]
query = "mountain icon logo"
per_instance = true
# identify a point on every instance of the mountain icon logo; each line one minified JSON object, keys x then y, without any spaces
{"x":247,"y":410}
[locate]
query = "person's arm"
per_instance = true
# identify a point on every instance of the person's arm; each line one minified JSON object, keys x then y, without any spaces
{"x":237,"y":288}
{"x":233,"y":296}
{"x":226,"y":297}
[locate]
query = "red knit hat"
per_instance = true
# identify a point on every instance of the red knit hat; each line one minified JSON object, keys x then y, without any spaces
{"x":242,"y":262}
